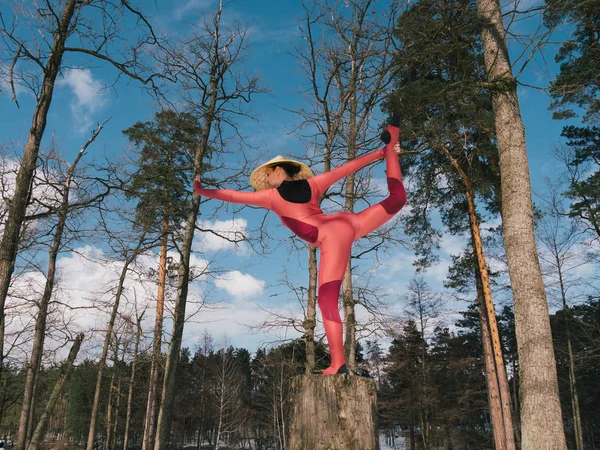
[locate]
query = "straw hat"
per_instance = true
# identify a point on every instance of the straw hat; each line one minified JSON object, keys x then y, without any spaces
{"x":258,"y":179}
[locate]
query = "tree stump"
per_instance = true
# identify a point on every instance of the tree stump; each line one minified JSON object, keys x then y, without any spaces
{"x":333,"y":412}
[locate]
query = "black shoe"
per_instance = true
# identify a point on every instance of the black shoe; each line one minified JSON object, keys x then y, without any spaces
{"x":343,"y":370}
{"x":395,"y":122}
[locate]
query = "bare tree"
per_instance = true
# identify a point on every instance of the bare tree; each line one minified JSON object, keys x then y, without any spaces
{"x":226,"y":393}
{"x":206,"y":62}
{"x":40,"y":327}
{"x":560,"y":254}
{"x":132,"y":378}
{"x":65,"y":372}
{"x":36,"y":63}
{"x":541,"y":416}
{"x":130,"y":256}
{"x":346,"y":62}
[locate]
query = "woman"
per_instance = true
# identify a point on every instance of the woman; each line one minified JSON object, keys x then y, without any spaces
{"x":289,"y":189}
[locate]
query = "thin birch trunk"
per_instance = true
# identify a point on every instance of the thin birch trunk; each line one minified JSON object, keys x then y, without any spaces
{"x":310,"y":322}
{"x":347,"y":285}
{"x":150,"y":420}
{"x":541,"y":416}
{"x":109,"y":410}
{"x":18,"y":204}
{"x":132,"y":382}
{"x":116,"y":421}
{"x":109,"y":332}
{"x":40,"y":323}
{"x":65,"y":372}
{"x":577,"y":428}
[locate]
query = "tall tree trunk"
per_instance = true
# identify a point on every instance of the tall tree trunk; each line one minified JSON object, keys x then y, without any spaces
{"x":165,"y":413}
{"x":577,"y":429}
{"x":109,"y":332}
{"x":347,"y":286}
{"x":113,"y":444}
{"x":132,"y":382}
{"x":109,"y":412}
{"x":497,"y":378}
{"x":18,"y":204}
{"x":506,"y":430}
{"x":150,"y":421}
{"x":490,"y":372}
{"x":40,"y":323}
{"x":65,"y":371}
{"x":541,"y":418}
{"x":310,"y":322}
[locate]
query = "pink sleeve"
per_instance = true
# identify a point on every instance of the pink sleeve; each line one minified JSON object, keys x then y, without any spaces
{"x":324,"y":180}
{"x":258,"y":198}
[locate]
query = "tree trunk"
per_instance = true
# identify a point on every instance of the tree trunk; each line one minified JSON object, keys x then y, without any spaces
{"x":541,"y":418}
{"x":490,"y":373}
{"x":113,"y":444}
{"x":347,"y":286}
{"x":18,"y":204}
{"x":333,"y":412}
{"x":311,"y":310}
{"x":497,"y":380}
{"x":132,"y":383}
{"x":109,"y":414}
{"x":577,"y":429}
{"x":163,"y":426}
{"x":40,"y":322}
{"x":505,"y":425}
{"x":65,"y":371}
{"x":109,"y":332}
{"x":150,"y":420}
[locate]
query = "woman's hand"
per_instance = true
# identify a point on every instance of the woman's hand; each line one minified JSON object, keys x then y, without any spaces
{"x":197,"y":185}
{"x":397,"y":148}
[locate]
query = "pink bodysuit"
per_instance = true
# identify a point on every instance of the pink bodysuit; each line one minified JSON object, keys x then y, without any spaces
{"x":334,"y":233}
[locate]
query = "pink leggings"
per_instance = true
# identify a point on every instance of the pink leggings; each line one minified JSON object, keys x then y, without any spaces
{"x":337,"y":236}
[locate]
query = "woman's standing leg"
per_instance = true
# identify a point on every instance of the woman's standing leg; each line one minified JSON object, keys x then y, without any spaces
{"x":334,"y":256}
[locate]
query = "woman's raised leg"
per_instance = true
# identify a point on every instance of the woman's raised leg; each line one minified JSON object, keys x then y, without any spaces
{"x":373,"y":217}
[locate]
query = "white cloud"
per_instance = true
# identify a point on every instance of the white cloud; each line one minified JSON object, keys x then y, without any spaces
{"x":231,"y":230}
{"x":240,"y":286}
{"x":189,"y":6}
{"x":89,"y":97}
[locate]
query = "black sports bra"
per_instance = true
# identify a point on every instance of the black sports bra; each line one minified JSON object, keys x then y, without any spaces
{"x":295,"y":191}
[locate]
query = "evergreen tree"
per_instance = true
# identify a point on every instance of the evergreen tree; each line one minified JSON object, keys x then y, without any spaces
{"x":577,"y":83}
{"x":161,"y":188}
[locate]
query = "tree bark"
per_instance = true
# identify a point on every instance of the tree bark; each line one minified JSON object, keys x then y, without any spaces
{"x":150,"y":420}
{"x":132,"y":383}
{"x":65,"y":371}
{"x":40,"y":323}
{"x":333,"y":412}
{"x":109,"y":413}
{"x":505,"y":424}
{"x":18,"y":205}
{"x":310,"y":322}
{"x":497,"y":379}
{"x":490,"y":373}
{"x":541,"y":417}
{"x":109,"y":332}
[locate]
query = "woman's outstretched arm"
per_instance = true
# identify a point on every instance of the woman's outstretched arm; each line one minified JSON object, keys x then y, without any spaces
{"x":258,"y":198}
{"x":324,"y":180}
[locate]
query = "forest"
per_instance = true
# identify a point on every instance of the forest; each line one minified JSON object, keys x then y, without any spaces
{"x":108,"y":261}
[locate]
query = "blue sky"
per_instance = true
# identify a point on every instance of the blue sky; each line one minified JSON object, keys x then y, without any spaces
{"x":248,"y":285}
